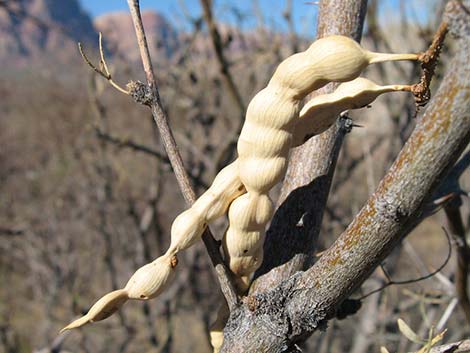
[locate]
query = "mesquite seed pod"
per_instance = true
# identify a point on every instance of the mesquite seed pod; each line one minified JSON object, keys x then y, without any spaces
{"x":321,"y":112}
{"x":263,"y":148}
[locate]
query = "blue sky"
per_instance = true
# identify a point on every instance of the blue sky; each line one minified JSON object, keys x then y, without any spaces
{"x":304,"y":14}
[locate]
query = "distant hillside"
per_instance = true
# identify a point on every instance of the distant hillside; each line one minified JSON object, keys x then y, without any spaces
{"x":29,"y":29}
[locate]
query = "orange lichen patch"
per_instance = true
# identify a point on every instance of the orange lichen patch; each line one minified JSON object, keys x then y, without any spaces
{"x":353,"y":233}
{"x":336,"y":260}
{"x":442,"y":116}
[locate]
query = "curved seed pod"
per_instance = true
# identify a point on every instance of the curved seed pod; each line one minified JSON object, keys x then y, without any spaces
{"x":263,"y":148}
{"x":266,"y":136}
{"x":102,"y":309}
{"x":321,"y":112}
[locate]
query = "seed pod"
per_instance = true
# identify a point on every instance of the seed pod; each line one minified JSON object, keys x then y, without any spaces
{"x":146,"y":283}
{"x":263,"y":149}
{"x":329,"y":59}
{"x":102,"y":309}
{"x":321,"y":112}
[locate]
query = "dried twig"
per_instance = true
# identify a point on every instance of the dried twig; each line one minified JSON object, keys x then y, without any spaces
{"x":429,"y":58}
{"x":103,"y":69}
{"x":456,"y":226}
{"x":130,"y":144}
{"x":391,"y":282}
{"x":169,"y":143}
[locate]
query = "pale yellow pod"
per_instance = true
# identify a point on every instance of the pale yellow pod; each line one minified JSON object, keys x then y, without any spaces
{"x":321,"y":112}
{"x":243,"y":241}
{"x":261,"y":174}
{"x":151,"y":279}
{"x":238,"y":242}
{"x":263,"y":141}
{"x":329,"y":59}
{"x":188,"y":227}
{"x":273,"y":106}
{"x":102,"y":309}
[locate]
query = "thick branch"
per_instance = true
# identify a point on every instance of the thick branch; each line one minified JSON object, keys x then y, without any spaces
{"x":274,"y":321}
{"x":311,"y":167}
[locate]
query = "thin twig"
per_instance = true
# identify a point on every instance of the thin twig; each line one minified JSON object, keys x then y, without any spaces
{"x":103,"y":70}
{"x":224,"y":65}
{"x":128,"y":143}
{"x":456,"y":226}
{"x":160,"y":117}
{"x":429,"y":59}
{"x":409,"y":281}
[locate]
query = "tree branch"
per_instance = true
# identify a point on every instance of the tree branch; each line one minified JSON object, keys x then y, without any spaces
{"x":274,"y":321}
{"x":159,"y":115}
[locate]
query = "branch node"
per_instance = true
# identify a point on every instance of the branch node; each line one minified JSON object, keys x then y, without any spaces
{"x":140,"y":92}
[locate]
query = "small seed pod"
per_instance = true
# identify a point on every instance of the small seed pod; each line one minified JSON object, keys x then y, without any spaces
{"x":321,"y":112}
{"x":102,"y":309}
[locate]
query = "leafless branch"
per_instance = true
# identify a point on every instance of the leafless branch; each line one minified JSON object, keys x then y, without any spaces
{"x":103,"y":69}
{"x":169,"y":144}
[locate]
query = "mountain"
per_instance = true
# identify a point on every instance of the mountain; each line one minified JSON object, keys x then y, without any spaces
{"x":33,"y":30}
{"x":119,"y":36}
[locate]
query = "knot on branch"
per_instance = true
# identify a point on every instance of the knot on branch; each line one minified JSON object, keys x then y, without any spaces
{"x":140,"y":92}
{"x":391,"y":210}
